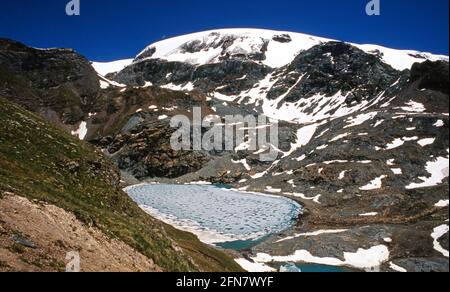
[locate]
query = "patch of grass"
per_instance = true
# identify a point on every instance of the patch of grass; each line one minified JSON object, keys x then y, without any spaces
{"x":4,"y":265}
{"x":207,"y":257}
{"x":17,"y":248}
{"x":33,"y":262}
{"x":57,"y":265}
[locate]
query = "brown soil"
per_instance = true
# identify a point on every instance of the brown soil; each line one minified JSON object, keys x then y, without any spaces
{"x":55,"y":232}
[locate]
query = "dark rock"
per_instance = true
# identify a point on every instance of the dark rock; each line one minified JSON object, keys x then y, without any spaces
{"x":283,"y":38}
{"x":333,"y":67}
{"x":431,"y":75}
{"x":72,"y":166}
{"x":56,"y":79}
{"x":147,"y":54}
{"x":146,"y":153}
{"x":23,"y":241}
{"x":424,"y":265}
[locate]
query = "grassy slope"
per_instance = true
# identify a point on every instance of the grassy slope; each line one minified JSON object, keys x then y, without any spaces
{"x":41,"y":162}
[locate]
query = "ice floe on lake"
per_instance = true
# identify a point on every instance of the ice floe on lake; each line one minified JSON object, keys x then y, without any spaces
{"x":216,"y":215}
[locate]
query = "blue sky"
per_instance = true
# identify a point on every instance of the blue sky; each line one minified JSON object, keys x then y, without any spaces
{"x":113,"y":29}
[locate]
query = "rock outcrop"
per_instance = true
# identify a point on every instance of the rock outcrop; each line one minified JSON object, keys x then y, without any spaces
{"x":58,"y":83}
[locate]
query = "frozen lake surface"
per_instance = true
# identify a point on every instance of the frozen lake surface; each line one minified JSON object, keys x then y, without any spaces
{"x":216,"y":215}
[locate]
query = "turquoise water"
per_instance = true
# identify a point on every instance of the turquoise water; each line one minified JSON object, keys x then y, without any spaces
{"x":312,"y":268}
{"x":309,"y":268}
{"x":240,"y":245}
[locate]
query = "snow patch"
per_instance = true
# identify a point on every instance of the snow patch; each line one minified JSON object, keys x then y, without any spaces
{"x":397,"y":171}
{"x":375,"y":184}
{"x":397,"y":268}
{"x":342,"y":174}
{"x":244,"y":163}
{"x":81,"y":132}
{"x":199,"y":183}
{"x":315,"y":233}
{"x":400,"y":142}
{"x":360,"y":119}
{"x":438,"y":232}
{"x":253,"y":267}
{"x":442,"y":204}
{"x":426,"y":142}
{"x":370,"y":258}
{"x":186,"y":87}
{"x":304,"y":136}
{"x":104,"y":84}
{"x":400,"y":59}
{"x":104,"y":68}
{"x":315,"y":199}
{"x":439,"y":124}
{"x":414,"y":107}
{"x":371,"y":214}
{"x":272,"y":190}
{"x":391,"y":162}
{"x":438,"y":169}
{"x":339,"y":137}
{"x":322,"y":147}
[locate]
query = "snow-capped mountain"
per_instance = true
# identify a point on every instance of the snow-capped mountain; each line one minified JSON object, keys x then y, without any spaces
{"x":287,"y":76}
{"x":271,"y":48}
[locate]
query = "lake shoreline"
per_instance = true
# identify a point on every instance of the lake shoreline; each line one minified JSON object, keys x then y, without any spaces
{"x":243,"y":232}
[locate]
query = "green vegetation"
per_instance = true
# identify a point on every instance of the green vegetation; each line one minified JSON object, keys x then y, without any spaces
{"x":18,"y":86}
{"x":41,"y":162}
{"x":17,"y":248}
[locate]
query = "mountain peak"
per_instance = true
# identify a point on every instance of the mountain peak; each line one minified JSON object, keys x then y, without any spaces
{"x":269,"y":47}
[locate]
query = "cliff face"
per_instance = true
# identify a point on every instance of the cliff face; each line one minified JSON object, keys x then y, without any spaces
{"x":59,"y":83}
